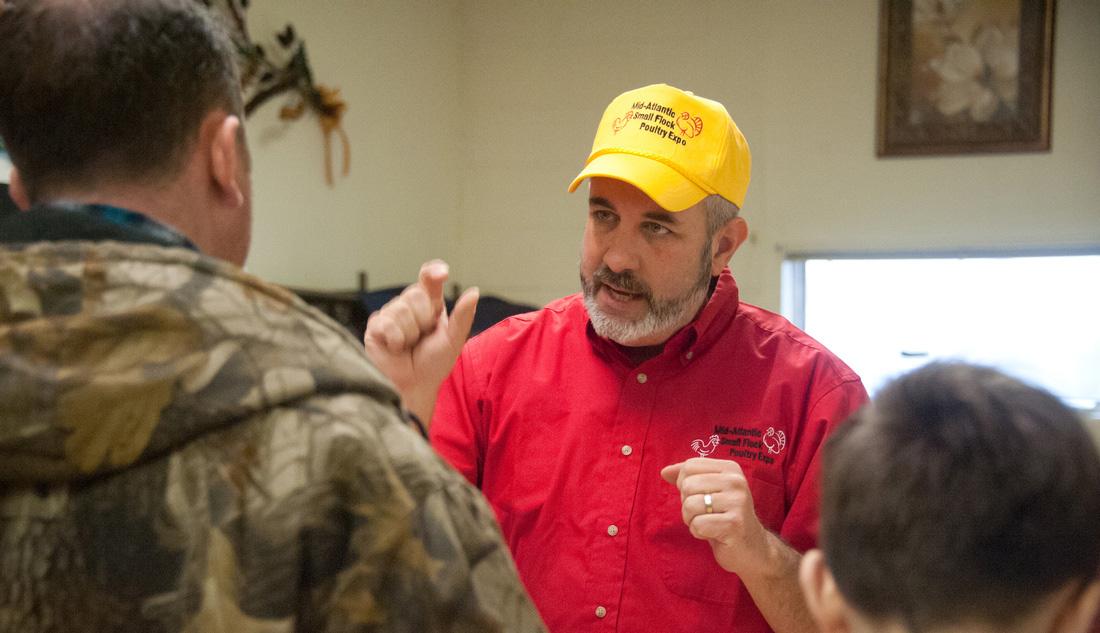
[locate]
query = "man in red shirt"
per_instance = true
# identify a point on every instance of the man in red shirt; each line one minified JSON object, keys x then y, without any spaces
{"x":649,"y":445}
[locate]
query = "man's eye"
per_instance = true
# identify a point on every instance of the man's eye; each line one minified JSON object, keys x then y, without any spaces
{"x":602,"y":215}
{"x":656,"y":229}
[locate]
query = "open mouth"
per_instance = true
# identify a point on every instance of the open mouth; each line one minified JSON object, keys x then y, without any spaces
{"x":620,"y":295}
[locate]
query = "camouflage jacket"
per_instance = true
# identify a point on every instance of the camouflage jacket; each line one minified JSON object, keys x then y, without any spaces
{"x":184,"y":447}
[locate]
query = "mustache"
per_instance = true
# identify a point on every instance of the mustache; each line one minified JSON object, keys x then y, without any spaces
{"x":624,"y":280}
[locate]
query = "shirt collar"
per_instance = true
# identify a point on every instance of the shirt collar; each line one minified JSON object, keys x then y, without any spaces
{"x":65,"y":220}
{"x":161,"y":234}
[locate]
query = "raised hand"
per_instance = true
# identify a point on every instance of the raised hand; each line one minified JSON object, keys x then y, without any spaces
{"x":413,"y":340}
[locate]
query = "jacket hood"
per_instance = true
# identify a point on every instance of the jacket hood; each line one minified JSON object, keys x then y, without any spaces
{"x":114,"y":354}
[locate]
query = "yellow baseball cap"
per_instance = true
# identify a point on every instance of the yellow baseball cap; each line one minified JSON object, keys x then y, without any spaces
{"x":676,"y":147}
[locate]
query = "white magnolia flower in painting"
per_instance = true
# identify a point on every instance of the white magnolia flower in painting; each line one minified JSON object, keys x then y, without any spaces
{"x":978,"y":77}
{"x":1001,"y":52}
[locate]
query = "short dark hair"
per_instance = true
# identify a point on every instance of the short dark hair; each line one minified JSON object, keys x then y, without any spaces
{"x":959,"y":494}
{"x":110,"y":89}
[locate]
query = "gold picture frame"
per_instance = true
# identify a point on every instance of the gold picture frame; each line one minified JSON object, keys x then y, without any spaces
{"x":964,"y":76}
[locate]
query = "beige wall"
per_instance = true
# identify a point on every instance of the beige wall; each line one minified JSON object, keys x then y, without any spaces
{"x":494,"y":102}
{"x":397,"y":65}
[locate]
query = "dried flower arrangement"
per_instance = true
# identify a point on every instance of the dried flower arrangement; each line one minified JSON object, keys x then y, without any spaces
{"x":265,"y":76}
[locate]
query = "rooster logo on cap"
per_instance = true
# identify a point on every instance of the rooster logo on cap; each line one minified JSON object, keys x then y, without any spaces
{"x":621,"y":122}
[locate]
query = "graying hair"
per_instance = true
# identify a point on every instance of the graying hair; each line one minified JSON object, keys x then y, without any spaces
{"x":719,"y":212}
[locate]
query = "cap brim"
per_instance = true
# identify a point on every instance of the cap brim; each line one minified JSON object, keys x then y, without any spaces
{"x":666,"y":186}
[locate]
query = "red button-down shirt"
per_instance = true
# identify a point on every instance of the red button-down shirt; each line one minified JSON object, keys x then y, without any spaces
{"x":566,"y":438}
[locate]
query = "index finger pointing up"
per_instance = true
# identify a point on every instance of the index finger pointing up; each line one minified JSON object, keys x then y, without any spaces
{"x":433,"y":275}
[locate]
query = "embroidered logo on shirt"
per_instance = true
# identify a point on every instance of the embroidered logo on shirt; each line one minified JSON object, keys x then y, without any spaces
{"x":746,"y":443}
{"x":705,"y":448}
{"x":774,"y":440}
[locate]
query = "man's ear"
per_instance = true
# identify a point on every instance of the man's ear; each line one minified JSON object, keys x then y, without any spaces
{"x":1079,"y":612}
{"x":827,"y":606}
{"x":18,"y":191}
{"x":726,"y":242}
{"x":225,"y":158}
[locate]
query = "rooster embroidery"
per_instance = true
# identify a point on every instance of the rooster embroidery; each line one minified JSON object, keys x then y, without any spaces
{"x":621,"y":122}
{"x":774,"y":440}
{"x":705,"y":449}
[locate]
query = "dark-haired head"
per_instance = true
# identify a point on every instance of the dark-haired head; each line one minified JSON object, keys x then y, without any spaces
{"x":958,"y":496}
{"x":123,"y":102}
{"x":108,"y":89}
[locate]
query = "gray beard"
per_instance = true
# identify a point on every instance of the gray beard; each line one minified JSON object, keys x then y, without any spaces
{"x":663,"y":314}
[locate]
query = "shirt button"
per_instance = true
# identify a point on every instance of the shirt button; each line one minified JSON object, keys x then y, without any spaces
{"x":689,"y":355}
{"x":612,"y":530}
{"x":642,"y":378}
{"x":600,"y":611}
{"x":627,"y":450}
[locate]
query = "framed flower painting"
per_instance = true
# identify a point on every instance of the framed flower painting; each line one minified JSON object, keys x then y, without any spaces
{"x":964,"y":76}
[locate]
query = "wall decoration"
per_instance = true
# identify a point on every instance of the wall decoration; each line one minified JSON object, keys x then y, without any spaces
{"x":964,"y":76}
{"x":6,"y":205}
{"x":266,"y":75}
{"x":5,"y":164}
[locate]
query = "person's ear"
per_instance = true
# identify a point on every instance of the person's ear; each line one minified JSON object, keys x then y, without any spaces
{"x":1079,"y":611}
{"x":726,"y":242}
{"x":827,"y":606}
{"x":225,"y":159}
{"x":18,"y":191}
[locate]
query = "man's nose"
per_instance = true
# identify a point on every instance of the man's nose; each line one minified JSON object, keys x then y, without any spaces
{"x":621,"y":254}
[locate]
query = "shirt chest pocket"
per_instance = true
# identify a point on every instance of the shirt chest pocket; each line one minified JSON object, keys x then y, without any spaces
{"x":687,"y":564}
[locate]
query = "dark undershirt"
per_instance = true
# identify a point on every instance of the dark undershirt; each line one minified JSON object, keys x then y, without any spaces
{"x":639,"y":355}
